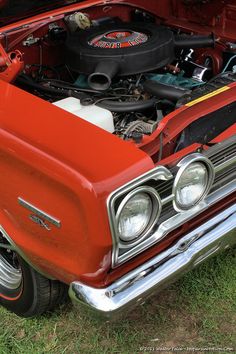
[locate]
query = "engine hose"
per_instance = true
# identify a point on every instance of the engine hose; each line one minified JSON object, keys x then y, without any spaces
{"x":28,"y":82}
{"x":187,"y":41}
{"x":127,"y":107}
{"x":50,"y":90}
{"x":169,"y":92}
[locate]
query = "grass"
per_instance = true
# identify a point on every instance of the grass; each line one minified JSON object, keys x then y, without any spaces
{"x":198,"y":311}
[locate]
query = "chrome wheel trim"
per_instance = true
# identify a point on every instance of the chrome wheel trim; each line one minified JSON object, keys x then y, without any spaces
{"x":10,"y":277}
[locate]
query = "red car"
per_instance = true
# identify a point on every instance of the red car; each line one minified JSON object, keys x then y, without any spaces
{"x":118,"y":148}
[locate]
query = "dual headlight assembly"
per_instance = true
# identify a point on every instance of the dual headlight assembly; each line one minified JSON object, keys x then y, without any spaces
{"x":140,"y":209}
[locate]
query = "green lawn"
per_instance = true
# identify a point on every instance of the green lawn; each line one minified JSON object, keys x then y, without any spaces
{"x":197,"y":311}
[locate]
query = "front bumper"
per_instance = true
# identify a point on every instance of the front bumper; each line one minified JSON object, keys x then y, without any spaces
{"x":217,"y":234}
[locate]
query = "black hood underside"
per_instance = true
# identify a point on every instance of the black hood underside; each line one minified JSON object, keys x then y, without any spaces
{"x":15,"y":10}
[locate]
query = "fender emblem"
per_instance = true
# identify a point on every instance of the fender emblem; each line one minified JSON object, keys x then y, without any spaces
{"x":39,"y":221}
{"x":39,"y":215}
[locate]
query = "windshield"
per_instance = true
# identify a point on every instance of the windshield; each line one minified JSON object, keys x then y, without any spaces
{"x":15,"y":10}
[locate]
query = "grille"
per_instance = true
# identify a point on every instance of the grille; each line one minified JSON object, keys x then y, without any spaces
{"x":223,"y":158}
{"x":164,"y":188}
{"x":219,"y":155}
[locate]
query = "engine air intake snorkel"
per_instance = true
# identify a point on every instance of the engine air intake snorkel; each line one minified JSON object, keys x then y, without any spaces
{"x":102,"y":77}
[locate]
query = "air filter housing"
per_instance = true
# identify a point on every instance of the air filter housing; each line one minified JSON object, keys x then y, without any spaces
{"x":124,"y":49}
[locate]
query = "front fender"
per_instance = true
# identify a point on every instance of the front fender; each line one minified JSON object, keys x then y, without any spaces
{"x":66,"y":167}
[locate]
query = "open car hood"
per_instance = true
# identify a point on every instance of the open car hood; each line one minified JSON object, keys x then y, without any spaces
{"x":15,"y":10}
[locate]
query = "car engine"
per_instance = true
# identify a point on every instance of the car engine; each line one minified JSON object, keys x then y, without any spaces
{"x":123,"y":75}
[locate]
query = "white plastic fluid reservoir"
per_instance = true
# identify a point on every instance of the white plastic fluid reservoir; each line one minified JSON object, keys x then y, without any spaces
{"x":98,"y":116}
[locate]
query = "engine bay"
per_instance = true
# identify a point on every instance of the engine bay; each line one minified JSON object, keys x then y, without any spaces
{"x":121,"y":68}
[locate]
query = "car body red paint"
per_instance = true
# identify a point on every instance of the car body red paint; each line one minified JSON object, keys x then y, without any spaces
{"x":68,"y":167}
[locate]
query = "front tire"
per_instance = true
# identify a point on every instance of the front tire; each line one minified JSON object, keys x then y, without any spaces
{"x":24,"y":291}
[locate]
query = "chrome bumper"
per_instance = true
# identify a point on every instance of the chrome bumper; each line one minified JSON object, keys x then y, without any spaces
{"x":217,"y":234}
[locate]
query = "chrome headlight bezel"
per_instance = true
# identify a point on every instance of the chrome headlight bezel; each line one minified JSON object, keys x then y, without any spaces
{"x":155,"y":214}
{"x":120,"y":251}
{"x":182,"y":166}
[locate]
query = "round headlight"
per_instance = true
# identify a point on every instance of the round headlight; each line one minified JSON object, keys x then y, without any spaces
{"x":138,"y":213}
{"x":192,"y":184}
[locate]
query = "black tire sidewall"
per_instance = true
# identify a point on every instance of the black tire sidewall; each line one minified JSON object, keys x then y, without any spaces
{"x":27,"y":300}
